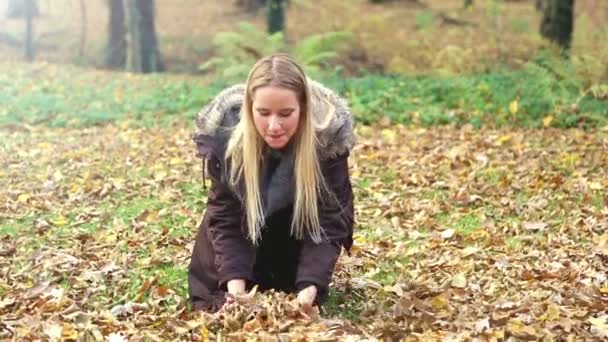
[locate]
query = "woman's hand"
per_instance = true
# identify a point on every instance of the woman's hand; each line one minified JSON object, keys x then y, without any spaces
{"x":307,"y":296}
{"x":236,"y":286}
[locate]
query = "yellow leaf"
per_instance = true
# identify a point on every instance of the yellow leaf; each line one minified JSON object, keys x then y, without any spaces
{"x":604,"y":289}
{"x":44,"y":145}
{"x":389,"y":136}
{"x":439,"y":302}
{"x":176,"y":161}
{"x":124,"y":124}
{"x":152,"y":216}
{"x":23,"y":198}
{"x":595,"y":186}
{"x":499,"y":334}
{"x":513,"y":107}
{"x":503,"y":139}
{"x":552,"y":314}
{"x":519,"y":329}
{"x":69,"y":332}
{"x":204,"y":332}
{"x":547,"y":120}
{"x":75,"y":188}
{"x":60,"y":221}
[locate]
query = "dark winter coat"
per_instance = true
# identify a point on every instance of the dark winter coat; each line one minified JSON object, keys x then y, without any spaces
{"x":222,"y":250}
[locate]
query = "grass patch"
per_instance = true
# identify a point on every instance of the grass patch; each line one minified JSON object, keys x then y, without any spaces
{"x":491,"y":175}
{"x":170,"y":276}
{"x":389,"y":176}
{"x":9,"y":228}
{"x":193,"y":194}
{"x":388,"y":271}
{"x":65,"y":97}
{"x":434,"y":194}
{"x":467,"y":224}
{"x":513,"y":244}
{"x":599,"y":201}
{"x":343,"y":304}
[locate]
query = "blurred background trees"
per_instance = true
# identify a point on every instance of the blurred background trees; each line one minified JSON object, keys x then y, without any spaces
{"x":21,"y":8}
{"x":438,"y":37}
{"x":535,"y":62}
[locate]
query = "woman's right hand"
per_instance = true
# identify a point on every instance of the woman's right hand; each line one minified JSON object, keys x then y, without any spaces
{"x":236,"y":286}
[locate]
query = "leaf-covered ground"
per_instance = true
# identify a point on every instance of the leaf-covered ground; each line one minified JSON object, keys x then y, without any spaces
{"x":460,"y":234}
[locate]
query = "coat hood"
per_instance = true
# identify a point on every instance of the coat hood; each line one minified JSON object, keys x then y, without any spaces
{"x":335,"y":134}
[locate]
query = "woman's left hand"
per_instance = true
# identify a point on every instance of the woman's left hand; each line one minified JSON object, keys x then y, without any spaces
{"x":307,"y":295}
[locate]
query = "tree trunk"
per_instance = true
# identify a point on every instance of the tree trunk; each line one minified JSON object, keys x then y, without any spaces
{"x":143,"y":54}
{"x":276,"y":16}
{"x":116,"y":50}
{"x":558,"y":21}
{"x":83,"y":28}
{"x":18,"y":9}
{"x":29,"y":29}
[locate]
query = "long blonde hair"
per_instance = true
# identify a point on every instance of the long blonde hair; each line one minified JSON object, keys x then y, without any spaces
{"x":244,"y":152}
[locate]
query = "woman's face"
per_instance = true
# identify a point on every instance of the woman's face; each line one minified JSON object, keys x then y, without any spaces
{"x":276,"y":114}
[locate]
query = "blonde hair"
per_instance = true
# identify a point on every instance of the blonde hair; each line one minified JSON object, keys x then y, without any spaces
{"x":245,"y":150}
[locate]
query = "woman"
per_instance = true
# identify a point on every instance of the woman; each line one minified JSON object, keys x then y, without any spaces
{"x":280,"y":207}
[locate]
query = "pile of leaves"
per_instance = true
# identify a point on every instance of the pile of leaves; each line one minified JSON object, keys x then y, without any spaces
{"x":461,"y":234}
{"x":272,"y":316}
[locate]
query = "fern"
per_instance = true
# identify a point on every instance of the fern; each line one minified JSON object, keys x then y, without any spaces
{"x":239,"y":50}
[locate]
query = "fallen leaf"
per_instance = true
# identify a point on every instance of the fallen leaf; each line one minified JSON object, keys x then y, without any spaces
{"x":448,"y":233}
{"x":482,"y":325}
{"x":599,"y":326}
{"x":534,"y":226}
{"x":459,"y":280}
{"x":513,"y":107}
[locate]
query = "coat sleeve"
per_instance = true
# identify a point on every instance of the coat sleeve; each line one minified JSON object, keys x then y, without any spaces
{"x":234,"y":253}
{"x":336,"y":213}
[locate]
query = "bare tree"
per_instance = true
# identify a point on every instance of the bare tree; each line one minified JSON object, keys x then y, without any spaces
{"x":116,"y":49}
{"x":83,"y":28}
{"x":276,"y":16}
{"x":558,"y":21}
{"x":19,"y":9}
{"x":143,"y":53}
{"x":29,"y":29}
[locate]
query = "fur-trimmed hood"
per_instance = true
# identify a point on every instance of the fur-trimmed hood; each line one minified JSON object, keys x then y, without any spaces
{"x":216,"y":120}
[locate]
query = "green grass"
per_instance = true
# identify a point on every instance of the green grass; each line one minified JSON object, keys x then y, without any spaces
{"x":193,"y":194}
{"x":389,"y":270}
{"x":389,"y":176}
{"x":343,"y":304}
{"x":491,"y":175}
{"x":599,"y":201}
{"x":9,"y":228}
{"x":514,"y":244}
{"x":434,"y":194}
{"x":467,"y":224}
{"x":168,"y":275}
{"x":64,"y":97}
